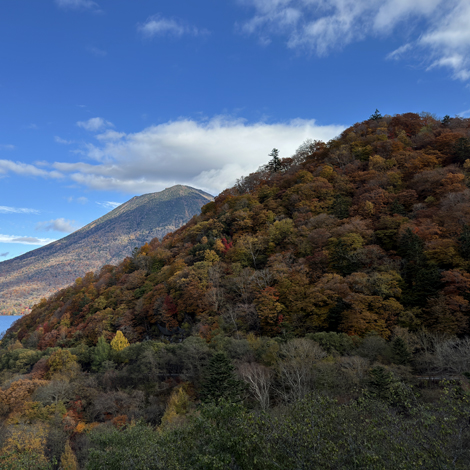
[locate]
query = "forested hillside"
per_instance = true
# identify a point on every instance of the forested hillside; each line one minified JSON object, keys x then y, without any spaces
{"x":314,"y":316}
{"x":364,"y":233}
{"x":26,"y":279}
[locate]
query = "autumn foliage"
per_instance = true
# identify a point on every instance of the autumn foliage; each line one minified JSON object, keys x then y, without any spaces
{"x":363,"y":233}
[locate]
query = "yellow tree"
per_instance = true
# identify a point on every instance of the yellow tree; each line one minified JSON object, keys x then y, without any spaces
{"x":119,"y":342}
{"x":68,"y":461}
{"x":178,"y":406}
{"x":61,"y":361}
{"x":269,"y":309}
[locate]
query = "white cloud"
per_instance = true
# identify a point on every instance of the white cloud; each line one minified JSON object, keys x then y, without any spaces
{"x":448,"y":40}
{"x":57,"y":225}
{"x":25,"y":169}
{"x":109,"y":204}
{"x":7,"y":147}
{"x":77,"y":4}
{"x":25,"y":240}
{"x":209,"y":154}
{"x":159,"y":26}
{"x":94,"y":124}
{"x":440,"y":27}
{"x":17,"y":210}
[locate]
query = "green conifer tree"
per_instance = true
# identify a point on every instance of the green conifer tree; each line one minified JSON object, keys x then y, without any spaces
{"x":342,"y":259}
{"x":340,"y":206}
{"x":400,"y":351}
{"x":221,"y":382}
{"x":376,"y":116}
{"x":464,"y":242}
{"x":461,"y":150}
{"x":100,"y":353}
{"x":397,"y":208}
{"x":446,"y":120}
{"x":380,"y":382}
{"x":422,"y":280}
{"x":274,"y":164}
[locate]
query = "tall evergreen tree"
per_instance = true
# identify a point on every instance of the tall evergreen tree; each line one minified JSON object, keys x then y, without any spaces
{"x":274,"y":164}
{"x":400,"y":351}
{"x":380,"y":382}
{"x":461,"y":150}
{"x":397,"y":208}
{"x":343,"y":259}
{"x":340,"y":206}
{"x":100,"y":353}
{"x":422,"y":280}
{"x":221,"y":382}
{"x":376,"y":116}
{"x":464,"y":242}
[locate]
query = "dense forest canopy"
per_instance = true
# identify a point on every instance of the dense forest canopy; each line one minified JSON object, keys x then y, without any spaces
{"x":315,"y":315}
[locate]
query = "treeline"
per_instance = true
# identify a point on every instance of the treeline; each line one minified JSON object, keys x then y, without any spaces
{"x":327,"y":401}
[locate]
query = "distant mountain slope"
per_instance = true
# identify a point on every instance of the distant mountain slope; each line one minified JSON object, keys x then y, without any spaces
{"x":107,"y":240}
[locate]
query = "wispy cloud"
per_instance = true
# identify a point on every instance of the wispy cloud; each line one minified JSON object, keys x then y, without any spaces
{"x":25,"y":240}
{"x":319,"y":27}
{"x":57,"y":225}
{"x":97,"y":52}
{"x":111,"y":135}
{"x":4,"y":255}
{"x":17,"y":210}
{"x":398,"y":54}
{"x":157,"y":25}
{"x":25,"y":169}
{"x":94,"y":124}
{"x":80,"y":200}
{"x":210,"y":154}
{"x":63,"y":141}
{"x":77,"y":4}
{"x":7,"y":147}
{"x":109,"y":204}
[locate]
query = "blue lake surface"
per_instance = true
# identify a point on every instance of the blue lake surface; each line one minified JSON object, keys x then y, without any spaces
{"x":6,"y":321}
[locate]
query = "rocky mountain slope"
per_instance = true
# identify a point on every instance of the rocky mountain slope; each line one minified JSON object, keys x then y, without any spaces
{"x":39,"y":273}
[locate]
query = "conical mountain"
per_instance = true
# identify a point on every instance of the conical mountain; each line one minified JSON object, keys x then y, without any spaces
{"x":107,"y":240}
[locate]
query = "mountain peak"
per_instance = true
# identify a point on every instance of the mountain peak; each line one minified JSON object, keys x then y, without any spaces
{"x":107,"y":240}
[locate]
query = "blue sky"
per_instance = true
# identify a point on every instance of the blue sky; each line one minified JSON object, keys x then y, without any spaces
{"x":102,"y":101}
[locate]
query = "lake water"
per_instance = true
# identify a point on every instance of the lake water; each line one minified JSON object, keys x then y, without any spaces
{"x":6,"y":321}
